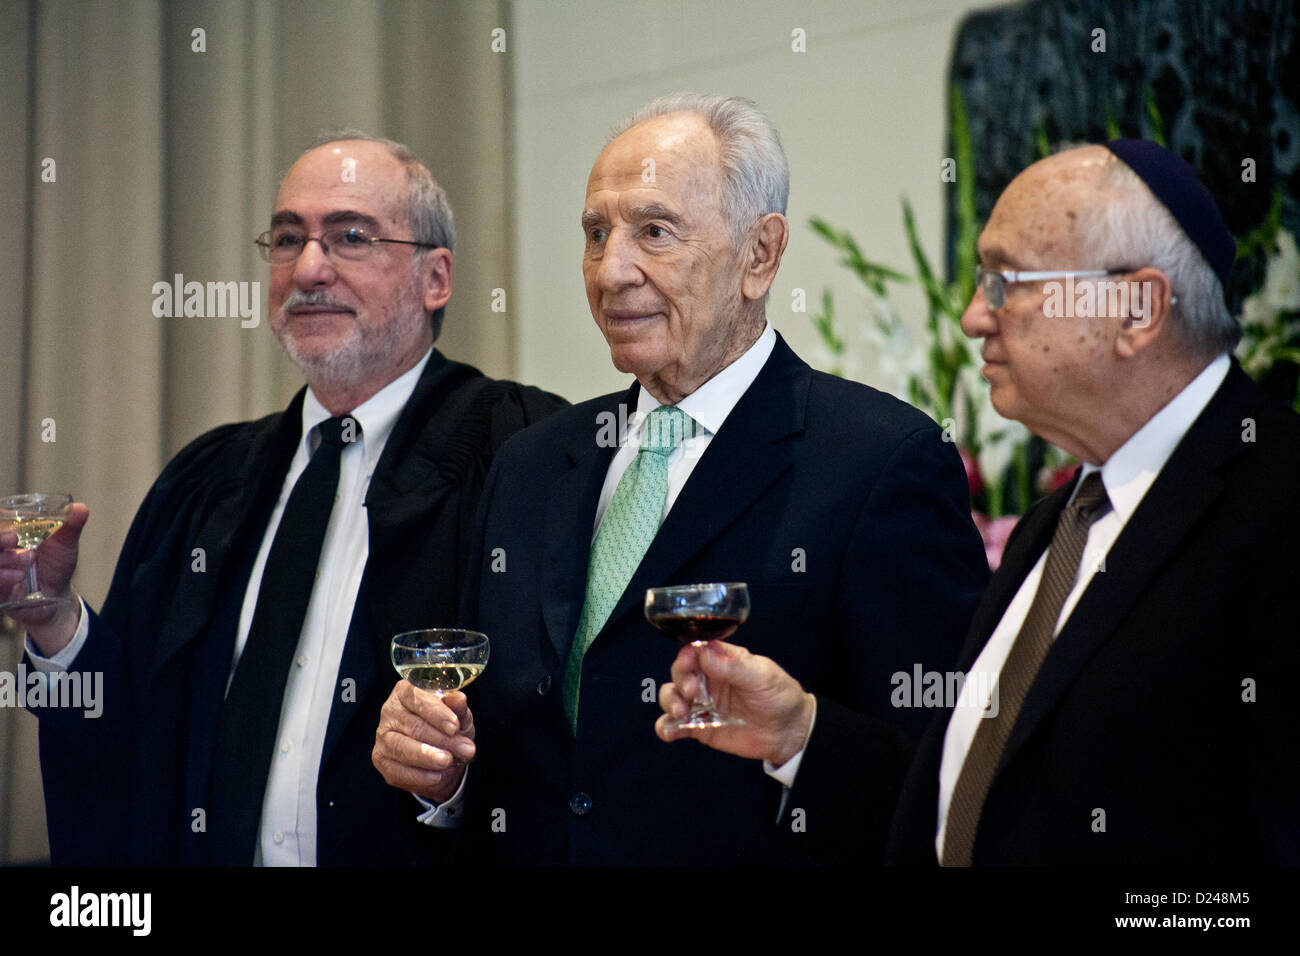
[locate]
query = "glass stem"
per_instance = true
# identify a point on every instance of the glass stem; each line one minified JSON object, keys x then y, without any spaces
{"x":703,"y":702}
{"x":31,"y":579}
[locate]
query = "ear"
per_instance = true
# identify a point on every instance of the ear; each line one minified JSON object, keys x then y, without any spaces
{"x":1149,"y":301}
{"x":763,"y":255}
{"x":435,"y":277}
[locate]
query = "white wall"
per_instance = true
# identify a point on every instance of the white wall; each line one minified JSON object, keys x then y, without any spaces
{"x":861,"y":113}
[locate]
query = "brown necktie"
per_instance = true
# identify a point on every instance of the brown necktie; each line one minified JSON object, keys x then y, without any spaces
{"x":1026,"y":656}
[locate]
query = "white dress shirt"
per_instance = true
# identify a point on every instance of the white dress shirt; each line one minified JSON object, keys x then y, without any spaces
{"x":287,"y":834}
{"x":1127,"y":475}
{"x":709,"y":405}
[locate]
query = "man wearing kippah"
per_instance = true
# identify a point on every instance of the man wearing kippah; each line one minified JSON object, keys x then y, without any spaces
{"x":1135,"y":654}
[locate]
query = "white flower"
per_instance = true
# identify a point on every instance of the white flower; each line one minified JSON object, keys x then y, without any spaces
{"x":996,"y":456}
{"x":969,"y":386}
{"x":883,"y":336}
{"x":1282,"y":277}
{"x":1281,"y":289}
{"x":1255,"y":313}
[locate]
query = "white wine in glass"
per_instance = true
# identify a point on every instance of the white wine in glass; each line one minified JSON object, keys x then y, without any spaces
{"x":33,"y":517}
{"x":441,"y":659}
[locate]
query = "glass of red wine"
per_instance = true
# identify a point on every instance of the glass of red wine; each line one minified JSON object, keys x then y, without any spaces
{"x":696,"y":614}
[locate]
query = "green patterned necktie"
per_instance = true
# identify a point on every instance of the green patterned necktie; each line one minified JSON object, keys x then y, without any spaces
{"x":630,"y":523}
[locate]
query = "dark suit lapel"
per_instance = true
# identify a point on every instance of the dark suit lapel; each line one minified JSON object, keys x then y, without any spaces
{"x":411,"y":454}
{"x":570,"y":518}
{"x":1186,"y":487}
{"x":912,"y":840}
{"x":742,"y":460}
{"x":232,"y":525}
{"x":411,"y":478}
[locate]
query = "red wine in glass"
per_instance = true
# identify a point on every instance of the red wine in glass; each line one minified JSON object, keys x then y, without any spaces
{"x":697,"y":628}
{"x":696,"y":614}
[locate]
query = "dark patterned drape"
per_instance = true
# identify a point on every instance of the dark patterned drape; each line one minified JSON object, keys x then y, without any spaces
{"x":1223,"y":78}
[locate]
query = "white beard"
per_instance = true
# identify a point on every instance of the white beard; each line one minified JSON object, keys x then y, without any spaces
{"x":367,"y":352}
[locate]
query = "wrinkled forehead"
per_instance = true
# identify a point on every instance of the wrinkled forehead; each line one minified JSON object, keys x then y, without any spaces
{"x":677,"y":152}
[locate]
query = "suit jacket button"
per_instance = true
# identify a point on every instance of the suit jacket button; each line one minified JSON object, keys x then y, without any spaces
{"x":580,"y":804}
{"x":544,"y":685}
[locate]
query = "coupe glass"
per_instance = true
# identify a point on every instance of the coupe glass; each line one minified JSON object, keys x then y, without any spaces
{"x":696,"y":614}
{"x":34,"y":517}
{"x":440,"y":659}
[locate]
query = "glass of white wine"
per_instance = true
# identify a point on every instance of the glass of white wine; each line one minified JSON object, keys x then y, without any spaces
{"x":34,"y":517}
{"x":440,"y":659}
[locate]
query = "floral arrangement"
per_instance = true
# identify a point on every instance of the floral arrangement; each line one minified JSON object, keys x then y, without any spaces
{"x":940,"y":375}
{"x":1270,"y":318}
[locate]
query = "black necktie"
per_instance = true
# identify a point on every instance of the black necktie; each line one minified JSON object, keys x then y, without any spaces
{"x":1023,"y":661}
{"x":250,"y":715}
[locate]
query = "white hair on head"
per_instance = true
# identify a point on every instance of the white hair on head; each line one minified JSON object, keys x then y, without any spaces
{"x":1133,"y":229}
{"x":756,"y":176}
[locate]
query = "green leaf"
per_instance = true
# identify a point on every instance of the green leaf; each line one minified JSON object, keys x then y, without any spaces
{"x":824,"y":323}
{"x":967,"y":229}
{"x":1264,"y":235}
{"x":871,"y":274}
{"x":1112,"y":127}
{"x":936,"y":293}
{"x":1041,"y":147}
{"x":1153,"y":116}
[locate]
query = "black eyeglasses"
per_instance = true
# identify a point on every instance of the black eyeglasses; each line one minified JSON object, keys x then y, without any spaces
{"x":282,"y":246}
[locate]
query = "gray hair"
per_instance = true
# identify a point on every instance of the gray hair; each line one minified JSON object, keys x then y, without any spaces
{"x":1134,"y":229}
{"x":428,"y":213}
{"x":756,"y":176}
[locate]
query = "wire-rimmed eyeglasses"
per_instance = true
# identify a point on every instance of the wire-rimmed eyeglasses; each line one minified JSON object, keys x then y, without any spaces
{"x":993,"y":282}
{"x":281,"y":246}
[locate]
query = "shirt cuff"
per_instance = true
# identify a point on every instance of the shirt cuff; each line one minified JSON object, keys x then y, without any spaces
{"x":445,"y":815}
{"x":64,"y":658}
{"x":786,"y":772}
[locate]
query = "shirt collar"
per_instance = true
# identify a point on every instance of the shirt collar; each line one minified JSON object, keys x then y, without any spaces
{"x":711,"y":403}
{"x":1131,"y":470}
{"x":376,"y":415}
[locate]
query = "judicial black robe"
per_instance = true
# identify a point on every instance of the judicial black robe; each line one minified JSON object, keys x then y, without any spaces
{"x":130,"y":786}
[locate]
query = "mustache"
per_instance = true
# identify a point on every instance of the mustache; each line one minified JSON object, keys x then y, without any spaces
{"x":317,"y":298}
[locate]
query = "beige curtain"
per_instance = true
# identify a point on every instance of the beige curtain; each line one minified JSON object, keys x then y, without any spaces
{"x":163,"y":159}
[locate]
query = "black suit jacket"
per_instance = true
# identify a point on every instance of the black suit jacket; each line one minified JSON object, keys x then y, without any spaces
{"x":1168,"y":702}
{"x":845,"y":512}
{"x":126,"y":787}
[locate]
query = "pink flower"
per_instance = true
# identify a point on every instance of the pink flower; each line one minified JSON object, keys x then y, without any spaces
{"x":1049,"y":479}
{"x":973,"y":479}
{"x":995,"y":532}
